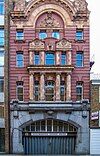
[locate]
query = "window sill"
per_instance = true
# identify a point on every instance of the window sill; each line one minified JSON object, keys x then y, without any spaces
{"x":80,"y":41}
{"x":19,"y":41}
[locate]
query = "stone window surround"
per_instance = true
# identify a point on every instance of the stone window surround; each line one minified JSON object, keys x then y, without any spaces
{"x":57,"y":87}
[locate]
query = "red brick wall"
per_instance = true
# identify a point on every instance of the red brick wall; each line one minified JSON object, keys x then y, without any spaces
{"x":18,"y":74}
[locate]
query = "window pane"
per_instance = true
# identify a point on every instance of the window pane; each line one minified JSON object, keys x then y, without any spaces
{"x":19,"y":35}
{"x":63,"y":58}
{"x":42,"y":35}
{"x":1,"y":7}
{"x":79,"y":59}
{"x":20,"y":93}
{"x":79,"y":35}
{"x":2,"y":37}
{"x":79,"y":91}
{"x":56,"y":34}
{"x":36,"y":59}
{"x":1,"y":85}
{"x":36,"y":90}
{"x":19,"y":60}
{"x":50,"y":59}
{"x":1,"y":58}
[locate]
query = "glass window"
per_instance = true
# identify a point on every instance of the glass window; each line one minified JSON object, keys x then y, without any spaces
{"x":1,"y":37}
{"x":36,"y":58}
{"x":20,"y":90}
{"x":19,"y":59}
{"x":79,"y":34}
{"x":1,"y":7}
{"x":56,"y":34}
{"x":63,"y":58}
{"x":62,"y":91}
{"x":79,"y":59}
{"x":36,"y":90}
{"x":49,"y":91}
{"x":42,"y":34}
{"x":19,"y":35}
{"x":1,"y":85}
{"x":79,"y":91}
{"x":50,"y":58}
{"x":2,"y":58}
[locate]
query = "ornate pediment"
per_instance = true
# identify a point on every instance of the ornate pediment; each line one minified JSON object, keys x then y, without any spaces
{"x":63,"y":45}
{"x":36,"y":45}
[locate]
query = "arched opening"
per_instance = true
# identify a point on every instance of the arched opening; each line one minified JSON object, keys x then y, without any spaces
{"x":49,"y":137}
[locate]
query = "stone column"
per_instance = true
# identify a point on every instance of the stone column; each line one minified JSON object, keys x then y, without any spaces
{"x":42,"y":85}
{"x":58,"y":87}
{"x":42,"y":58}
{"x":68,"y":87}
{"x":31,"y":89}
{"x":69,"y":58}
{"x":31,"y":57}
{"x":57,"y":58}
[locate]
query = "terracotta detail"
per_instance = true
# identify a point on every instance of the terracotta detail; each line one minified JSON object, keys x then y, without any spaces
{"x":49,"y":21}
{"x":58,"y":87}
{"x":31,"y":83}
{"x":63,"y":45}
{"x":68,"y":87}
{"x":42,"y":84}
{"x":36,"y":45}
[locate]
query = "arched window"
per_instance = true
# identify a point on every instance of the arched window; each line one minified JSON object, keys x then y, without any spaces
{"x":49,"y":90}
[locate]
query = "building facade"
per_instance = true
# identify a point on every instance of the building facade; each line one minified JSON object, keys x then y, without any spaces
{"x":95,"y":103}
{"x":49,"y":74}
{"x":2,"y":51}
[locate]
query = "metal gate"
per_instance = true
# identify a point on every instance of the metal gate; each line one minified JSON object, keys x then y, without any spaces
{"x":57,"y":141}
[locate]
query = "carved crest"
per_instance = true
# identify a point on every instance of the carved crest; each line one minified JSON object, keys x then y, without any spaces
{"x":80,"y":5}
{"x":36,"y":45}
{"x":63,"y":45}
{"x":49,"y":21}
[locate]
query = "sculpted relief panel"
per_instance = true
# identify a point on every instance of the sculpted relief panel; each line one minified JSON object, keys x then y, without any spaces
{"x":36,"y":45}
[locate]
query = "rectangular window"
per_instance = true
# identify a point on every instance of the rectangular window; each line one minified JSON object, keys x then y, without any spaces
{"x":1,"y":57}
{"x":79,"y":34}
{"x":36,"y":58}
{"x":56,"y":34}
{"x":42,"y":34}
{"x":19,"y":35}
{"x":63,"y":58}
{"x":1,"y":89}
{"x":79,"y":59}
{"x":1,"y":62}
{"x":62,"y":90}
{"x":79,"y":91}
{"x":50,"y":58}
{"x":1,"y":37}
{"x":36,"y":90}
{"x":1,"y":7}
{"x":20,"y":90}
{"x":19,"y":59}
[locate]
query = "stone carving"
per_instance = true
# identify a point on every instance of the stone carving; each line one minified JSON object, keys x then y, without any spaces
{"x":80,"y":5}
{"x":63,"y":45}
{"x":49,"y":21}
{"x":36,"y":45}
{"x":19,"y":5}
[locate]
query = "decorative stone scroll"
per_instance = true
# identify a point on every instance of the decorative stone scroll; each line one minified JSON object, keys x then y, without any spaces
{"x":63,"y":45}
{"x":36,"y":45}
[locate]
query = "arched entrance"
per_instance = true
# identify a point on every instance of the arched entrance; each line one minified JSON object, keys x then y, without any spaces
{"x":49,"y":137}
